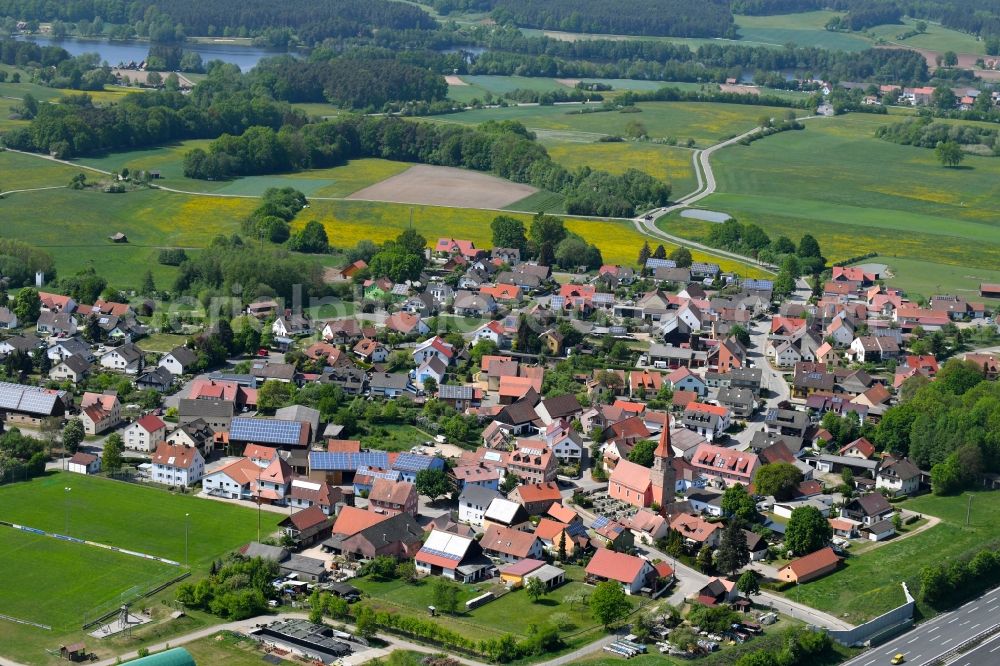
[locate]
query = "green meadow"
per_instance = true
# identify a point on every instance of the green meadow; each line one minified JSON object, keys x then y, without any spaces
{"x":856,"y":193}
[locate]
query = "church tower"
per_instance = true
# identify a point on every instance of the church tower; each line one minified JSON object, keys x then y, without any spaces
{"x":662,"y":476}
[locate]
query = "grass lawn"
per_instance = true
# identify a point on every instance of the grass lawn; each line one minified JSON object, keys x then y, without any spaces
{"x":937,"y":37}
{"x":23,"y":172}
{"x":705,"y":122}
{"x":169,"y":160}
{"x":512,"y":613}
{"x":478,"y":85}
{"x":141,"y":518}
{"x":225,"y":648}
{"x":803,"y":29}
{"x":391,"y":437}
{"x":809,"y":181}
{"x":161,"y":342}
{"x":926,"y":278}
{"x":869,"y":584}
{"x":85,"y":578}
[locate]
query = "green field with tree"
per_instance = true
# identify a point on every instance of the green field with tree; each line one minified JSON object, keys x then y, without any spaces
{"x":870,"y":584}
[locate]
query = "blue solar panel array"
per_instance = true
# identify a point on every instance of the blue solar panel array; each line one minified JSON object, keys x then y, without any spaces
{"x":763,"y":285}
{"x":265,"y":431}
{"x":441,"y":553}
{"x":411,"y":462}
{"x":600,"y":522}
{"x":347,"y":461}
{"x":660,"y":263}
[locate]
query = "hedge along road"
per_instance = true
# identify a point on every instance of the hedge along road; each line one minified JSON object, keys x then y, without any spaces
{"x":706,"y":187}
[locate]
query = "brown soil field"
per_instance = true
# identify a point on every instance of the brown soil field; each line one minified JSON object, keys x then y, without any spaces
{"x":445,"y":186}
{"x":453,"y":80}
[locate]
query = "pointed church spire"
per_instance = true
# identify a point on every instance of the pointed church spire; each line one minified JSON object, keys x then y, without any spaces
{"x":664,"y":449}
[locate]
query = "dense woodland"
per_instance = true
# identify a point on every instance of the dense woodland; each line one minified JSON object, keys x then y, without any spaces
{"x":505,"y":149}
{"x":676,"y":18}
{"x":311,"y":20}
{"x":354,"y":83}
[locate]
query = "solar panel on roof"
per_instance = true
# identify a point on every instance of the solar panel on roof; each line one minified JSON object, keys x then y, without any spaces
{"x":750,"y":283}
{"x":441,"y":553}
{"x":660,"y":263}
{"x":600,"y":522}
{"x":37,"y":402}
{"x":10,"y":396}
{"x":412,"y":462}
{"x":265,"y":431}
{"x":347,"y":460}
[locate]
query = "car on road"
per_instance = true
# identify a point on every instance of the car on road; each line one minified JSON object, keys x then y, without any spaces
{"x":898,"y":658}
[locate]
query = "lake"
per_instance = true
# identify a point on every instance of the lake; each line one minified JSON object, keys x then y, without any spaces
{"x":246,"y":57}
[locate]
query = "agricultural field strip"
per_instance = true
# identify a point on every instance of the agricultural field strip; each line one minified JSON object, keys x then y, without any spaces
{"x":656,"y":235}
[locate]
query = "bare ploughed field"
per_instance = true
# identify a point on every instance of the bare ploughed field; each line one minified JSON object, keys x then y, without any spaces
{"x":445,"y":186}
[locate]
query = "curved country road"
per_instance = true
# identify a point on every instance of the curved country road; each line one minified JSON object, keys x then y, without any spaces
{"x":706,"y":187}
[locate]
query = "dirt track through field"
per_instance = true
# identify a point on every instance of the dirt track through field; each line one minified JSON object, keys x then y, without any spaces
{"x":445,"y":186}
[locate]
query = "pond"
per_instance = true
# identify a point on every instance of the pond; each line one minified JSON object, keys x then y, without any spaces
{"x":246,"y":57}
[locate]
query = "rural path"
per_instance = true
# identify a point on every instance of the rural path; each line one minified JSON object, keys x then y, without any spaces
{"x":32,"y":189}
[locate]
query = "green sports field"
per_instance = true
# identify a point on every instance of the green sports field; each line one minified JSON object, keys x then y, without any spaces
{"x":58,"y":582}
{"x":65,"y":580}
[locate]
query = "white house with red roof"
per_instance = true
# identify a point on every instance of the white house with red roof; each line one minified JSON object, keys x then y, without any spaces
{"x":273,"y":482}
{"x":434,"y":347}
{"x":465,"y":248}
{"x":493,"y":331}
{"x":177,"y":465}
{"x":56,"y":302}
{"x":100,"y":412}
{"x":145,"y":434}
{"x":232,"y":481}
{"x":709,"y":421}
{"x":682,"y":379}
{"x":634,"y":573}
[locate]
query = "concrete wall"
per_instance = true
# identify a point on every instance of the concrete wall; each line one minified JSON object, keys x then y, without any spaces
{"x":882,"y":627}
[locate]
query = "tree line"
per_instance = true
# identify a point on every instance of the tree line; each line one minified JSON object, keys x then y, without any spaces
{"x":222,"y":103}
{"x":924,"y":133}
{"x":348,"y":82}
{"x":949,"y":426}
{"x":674,"y":18}
{"x":505,"y":149}
{"x":311,"y":20}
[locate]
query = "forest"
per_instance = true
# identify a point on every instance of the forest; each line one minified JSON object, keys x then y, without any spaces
{"x":505,"y":149}
{"x":348,"y":82}
{"x":674,"y":18}
{"x":311,"y":20}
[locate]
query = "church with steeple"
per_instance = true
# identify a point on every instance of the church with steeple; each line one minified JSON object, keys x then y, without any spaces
{"x":662,"y":476}
{"x":643,"y":486}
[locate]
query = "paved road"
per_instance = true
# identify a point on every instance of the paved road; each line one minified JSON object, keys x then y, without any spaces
{"x":936,"y":637}
{"x":987,"y":654}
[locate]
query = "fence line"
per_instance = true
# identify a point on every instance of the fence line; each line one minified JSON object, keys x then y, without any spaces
{"x":11,"y":618}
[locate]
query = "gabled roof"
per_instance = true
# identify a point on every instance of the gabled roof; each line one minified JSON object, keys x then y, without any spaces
{"x":538,"y":492}
{"x":306,"y":518}
{"x":616,"y":566}
{"x":177,"y":456}
{"x":151,"y":423}
{"x":508,"y":541}
{"x":352,"y":520}
{"x":391,"y":492}
{"x":631,"y":475}
{"x":243,"y":471}
{"x":810,"y":564}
